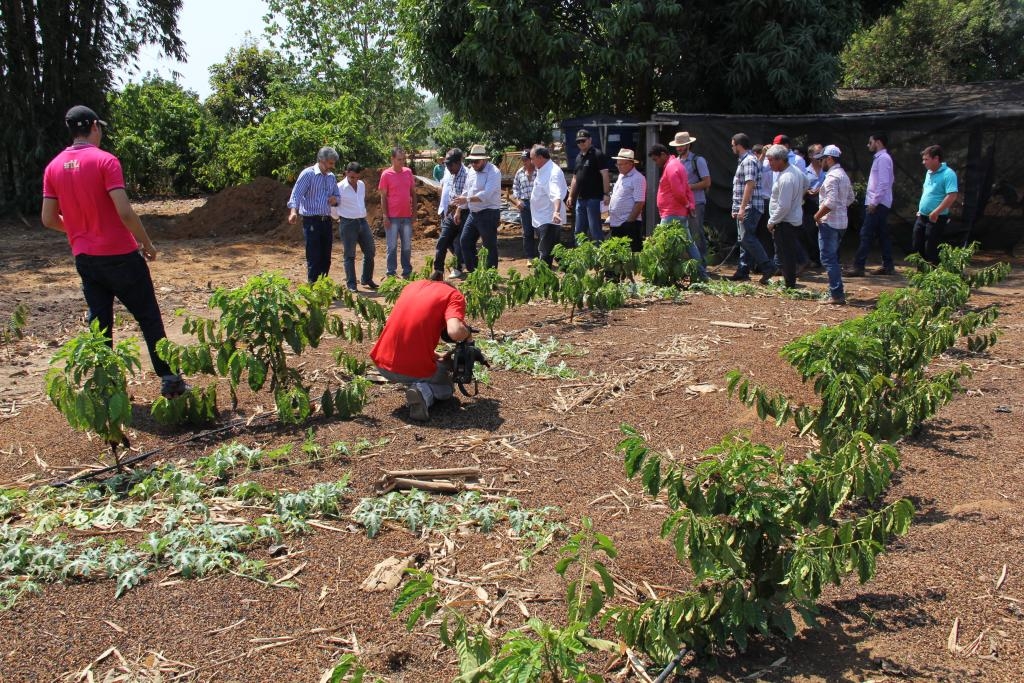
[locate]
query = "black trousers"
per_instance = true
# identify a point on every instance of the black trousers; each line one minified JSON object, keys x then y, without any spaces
{"x":447,"y":241}
{"x":125,"y":276}
{"x":927,"y":236}
{"x":786,"y":237}
{"x":634,"y":230}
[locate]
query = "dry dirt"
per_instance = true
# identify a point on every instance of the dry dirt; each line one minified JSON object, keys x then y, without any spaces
{"x":961,"y":472}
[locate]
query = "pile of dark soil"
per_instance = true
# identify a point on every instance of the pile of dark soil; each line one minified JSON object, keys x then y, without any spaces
{"x":256,"y":207}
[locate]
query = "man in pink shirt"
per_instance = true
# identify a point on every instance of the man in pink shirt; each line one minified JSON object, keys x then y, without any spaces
{"x":398,"y":204}
{"x":675,"y":198}
{"x":84,"y":197}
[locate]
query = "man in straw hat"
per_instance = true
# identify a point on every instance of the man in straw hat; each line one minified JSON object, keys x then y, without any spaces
{"x":700,"y":180}
{"x":483,"y":199}
{"x":629,"y":195}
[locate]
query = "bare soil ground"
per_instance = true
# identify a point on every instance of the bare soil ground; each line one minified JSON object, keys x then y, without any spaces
{"x":962,"y":473}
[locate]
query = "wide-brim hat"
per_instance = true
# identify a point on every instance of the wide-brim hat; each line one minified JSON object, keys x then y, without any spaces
{"x":625,"y":155}
{"x":477,"y":152}
{"x":682,"y":139}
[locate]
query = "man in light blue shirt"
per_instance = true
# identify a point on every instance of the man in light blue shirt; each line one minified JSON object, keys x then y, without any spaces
{"x":483,"y":199}
{"x":937,"y":196}
{"x":315,"y":192}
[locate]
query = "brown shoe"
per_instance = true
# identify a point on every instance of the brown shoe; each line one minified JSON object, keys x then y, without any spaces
{"x":837,"y":302}
{"x":854,"y":272}
{"x":883,"y":271}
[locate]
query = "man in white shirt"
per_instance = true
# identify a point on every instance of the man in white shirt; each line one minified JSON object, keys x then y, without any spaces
{"x":547,"y":201}
{"x":629,"y":195}
{"x":785,"y":210}
{"x":351,"y":211}
{"x":835,"y":196}
{"x":483,"y":199}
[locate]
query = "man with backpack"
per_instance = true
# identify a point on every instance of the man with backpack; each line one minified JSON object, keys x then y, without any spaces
{"x":700,"y":180}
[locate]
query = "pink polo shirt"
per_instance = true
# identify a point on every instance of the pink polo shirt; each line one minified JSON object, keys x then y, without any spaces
{"x":675,"y":198}
{"x":80,"y":178}
{"x":399,"y":188}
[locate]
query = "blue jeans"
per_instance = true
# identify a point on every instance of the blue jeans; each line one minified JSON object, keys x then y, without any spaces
{"x":751,"y":247}
{"x":828,"y":243}
{"x":875,"y":225}
{"x":400,"y":228}
{"x":357,"y":231}
{"x":126,"y":277}
{"x":319,"y":234}
{"x":529,"y":234}
{"x":588,"y":219}
{"x":482,"y":224}
{"x":692,"y":250}
{"x":447,"y":241}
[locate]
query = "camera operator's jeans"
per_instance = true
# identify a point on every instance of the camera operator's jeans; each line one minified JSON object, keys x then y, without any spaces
{"x":401,"y":228}
{"x":437,"y":387}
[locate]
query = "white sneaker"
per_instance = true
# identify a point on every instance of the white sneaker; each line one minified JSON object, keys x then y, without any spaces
{"x":454,"y":273}
{"x":417,"y":404}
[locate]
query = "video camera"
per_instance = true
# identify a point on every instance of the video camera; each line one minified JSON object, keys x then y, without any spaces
{"x":464,"y":358}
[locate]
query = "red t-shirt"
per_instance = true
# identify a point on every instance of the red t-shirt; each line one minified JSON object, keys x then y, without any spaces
{"x":80,"y":178}
{"x":399,"y":188}
{"x":406,"y":346}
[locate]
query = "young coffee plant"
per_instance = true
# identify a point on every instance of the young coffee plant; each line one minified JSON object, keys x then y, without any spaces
{"x":90,"y":389}
{"x":195,"y":407}
{"x":617,"y":259}
{"x":484,"y":290}
{"x":14,"y":328}
{"x":665,"y":260}
{"x":537,"y":651}
{"x":759,"y":535}
{"x":258,"y":323}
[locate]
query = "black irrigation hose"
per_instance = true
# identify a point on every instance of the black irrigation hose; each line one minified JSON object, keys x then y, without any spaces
{"x":143,"y":456}
{"x":671,"y":665}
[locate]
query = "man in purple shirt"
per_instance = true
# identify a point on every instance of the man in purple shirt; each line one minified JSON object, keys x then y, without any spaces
{"x":877,"y":204}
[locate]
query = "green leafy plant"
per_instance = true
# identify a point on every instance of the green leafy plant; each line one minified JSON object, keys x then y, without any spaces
{"x":91,"y":389}
{"x":258,"y":323}
{"x":195,"y":407}
{"x":665,"y":259}
{"x":484,"y":289}
{"x":528,"y":353}
{"x":14,"y":328}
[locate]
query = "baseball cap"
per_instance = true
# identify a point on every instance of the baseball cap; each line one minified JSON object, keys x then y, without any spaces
{"x":781,"y":139}
{"x":829,"y":151}
{"x":81,"y":116}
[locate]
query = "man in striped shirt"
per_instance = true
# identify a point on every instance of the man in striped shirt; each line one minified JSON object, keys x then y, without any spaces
{"x":315,"y":192}
{"x":453,"y":184}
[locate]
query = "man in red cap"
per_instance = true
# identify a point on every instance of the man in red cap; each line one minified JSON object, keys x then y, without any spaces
{"x":84,"y":197}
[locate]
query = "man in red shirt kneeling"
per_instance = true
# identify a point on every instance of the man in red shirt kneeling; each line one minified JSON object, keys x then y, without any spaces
{"x":406,"y":351}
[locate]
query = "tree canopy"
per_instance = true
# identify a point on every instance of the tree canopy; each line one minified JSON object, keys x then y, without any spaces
{"x":931,"y":42}
{"x":624,"y":56}
{"x":54,"y":55}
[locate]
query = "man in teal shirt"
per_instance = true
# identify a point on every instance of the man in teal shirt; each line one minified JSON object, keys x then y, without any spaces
{"x":939,"y":192}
